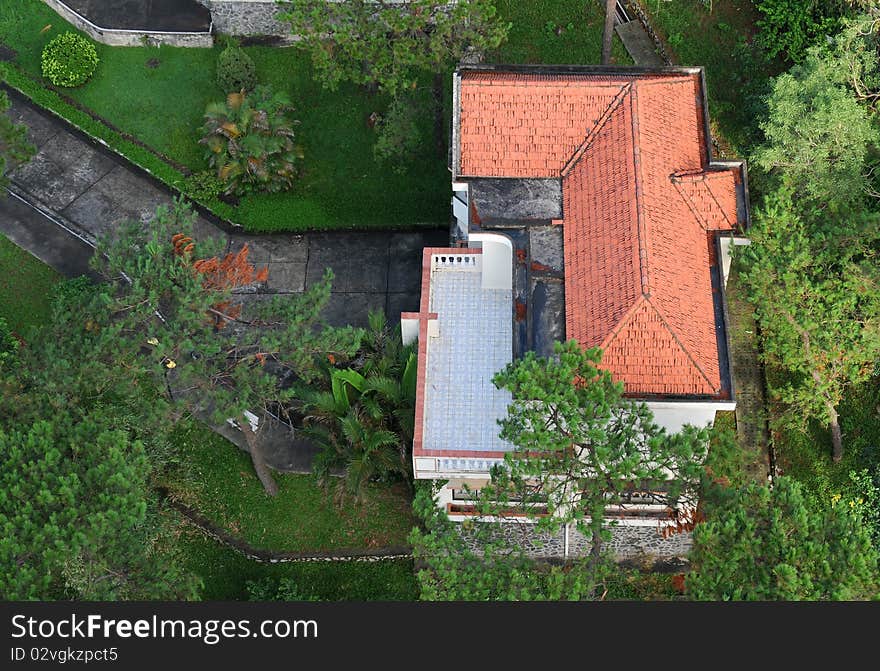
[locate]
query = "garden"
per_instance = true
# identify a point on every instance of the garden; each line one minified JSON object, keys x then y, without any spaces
{"x":274,"y":139}
{"x":149,"y":103}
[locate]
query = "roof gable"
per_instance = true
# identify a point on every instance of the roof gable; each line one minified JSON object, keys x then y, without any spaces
{"x":639,"y":198}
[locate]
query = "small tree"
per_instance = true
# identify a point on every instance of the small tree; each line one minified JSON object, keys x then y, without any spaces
{"x":390,"y":44}
{"x":816,"y":289}
{"x":363,"y":416}
{"x":581,"y":445}
{"x":204,"y":358}
{"x":772,"y":544}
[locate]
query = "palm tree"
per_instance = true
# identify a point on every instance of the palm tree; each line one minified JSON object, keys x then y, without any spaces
{"x":363,"y":417}
{"x":250,"y":141}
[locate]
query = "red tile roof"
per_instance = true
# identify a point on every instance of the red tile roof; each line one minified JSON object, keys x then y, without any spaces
{"x":639,"y":197}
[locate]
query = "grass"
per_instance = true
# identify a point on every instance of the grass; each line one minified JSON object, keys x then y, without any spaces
{"x":225,"y":575}
{"x":555,"y":32}
{"x":158,"y":94}
{"x":24,"y":287}
{"x":737,"y":75}
{"x":223,"y":486}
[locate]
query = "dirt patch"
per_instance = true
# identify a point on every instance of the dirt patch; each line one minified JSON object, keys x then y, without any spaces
{"x":262,"y":41}
{"x":7,"y":53}
{"x":153,"y":63}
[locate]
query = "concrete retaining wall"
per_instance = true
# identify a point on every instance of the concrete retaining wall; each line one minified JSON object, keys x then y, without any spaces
{"x":129,"y":38}
{"x":247,"y":17}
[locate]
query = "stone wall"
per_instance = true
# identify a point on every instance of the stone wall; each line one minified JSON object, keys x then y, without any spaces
{"x":627,"y":542}
{"x":130,"y":38}
{"x":247,"y":17}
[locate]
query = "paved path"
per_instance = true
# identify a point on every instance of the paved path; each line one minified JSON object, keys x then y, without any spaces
{"x":88,"y":191}
{"x":639,"y":44}
{"x":748,"y":379}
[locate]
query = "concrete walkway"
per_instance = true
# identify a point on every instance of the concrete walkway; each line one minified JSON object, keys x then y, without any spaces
{"x":74,"y":191}
{"x":85,"y":191}
{"x":639,"y":44}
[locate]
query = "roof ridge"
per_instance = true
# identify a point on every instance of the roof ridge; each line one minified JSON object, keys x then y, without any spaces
{"x":684,"y":349}
{"x":641,"y":225}
{"x":597,"y":127}
{"x":624,"y":319}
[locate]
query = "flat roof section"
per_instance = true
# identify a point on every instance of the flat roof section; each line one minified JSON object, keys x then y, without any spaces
{"x":475,"y":341}
{"x":176,"y":16}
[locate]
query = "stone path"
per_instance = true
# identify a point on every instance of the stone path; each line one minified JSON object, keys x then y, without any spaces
{"x":89,"y":191}
{"x":748,"y":380}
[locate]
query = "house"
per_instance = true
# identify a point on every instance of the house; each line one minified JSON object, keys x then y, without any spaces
{"x":586,"y":205}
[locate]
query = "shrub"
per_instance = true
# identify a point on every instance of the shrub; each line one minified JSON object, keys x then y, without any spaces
{"x":250,"y":142}
{"x":790,"y":27}
{"x":203,"y":186}
{"x":69,"y":60}
{"x":8,"y":344}
{"x":399,"y":137}
{"x":235,"y":70}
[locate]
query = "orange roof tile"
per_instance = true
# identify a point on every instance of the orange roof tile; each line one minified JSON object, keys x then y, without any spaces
{"x":638,"y":199}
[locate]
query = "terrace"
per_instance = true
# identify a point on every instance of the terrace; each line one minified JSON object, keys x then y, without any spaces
{"x":465,"y":330}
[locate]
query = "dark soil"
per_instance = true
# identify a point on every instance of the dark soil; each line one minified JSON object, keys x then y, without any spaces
{"x":7,"y":53}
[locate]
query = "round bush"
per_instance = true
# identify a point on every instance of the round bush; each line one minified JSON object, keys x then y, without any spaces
{"x":236,"y":70}
{"x":69,"y":60}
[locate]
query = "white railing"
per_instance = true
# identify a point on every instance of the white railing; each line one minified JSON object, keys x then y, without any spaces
{"x":460,"y":262}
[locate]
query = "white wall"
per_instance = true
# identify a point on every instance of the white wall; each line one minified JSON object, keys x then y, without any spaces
{"x":497,"y":259}
{"x":672,"y":415}
{"x":409,"y":330}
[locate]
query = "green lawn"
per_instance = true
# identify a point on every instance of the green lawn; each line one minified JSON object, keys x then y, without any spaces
{"x":158,"y":95}
{"x":24,"y":287}
{"x":225,"y":575}
{"x":736,"y":74}
{"x":555,"y":32}
{"x":222,"y":485}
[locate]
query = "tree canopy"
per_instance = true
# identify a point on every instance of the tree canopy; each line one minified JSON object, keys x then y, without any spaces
{"x":172,"y":300}
{"x":820,"y":141}
{"x":580,"y":446}
{"x":390,"y":43}
{"x":812,"y":269}
{"x":80,"y":456}
{"x":817,"y":297}
{"x":768,"y":543}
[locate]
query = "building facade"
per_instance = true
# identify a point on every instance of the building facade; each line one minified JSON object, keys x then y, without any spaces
{"x":586,"y":205}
